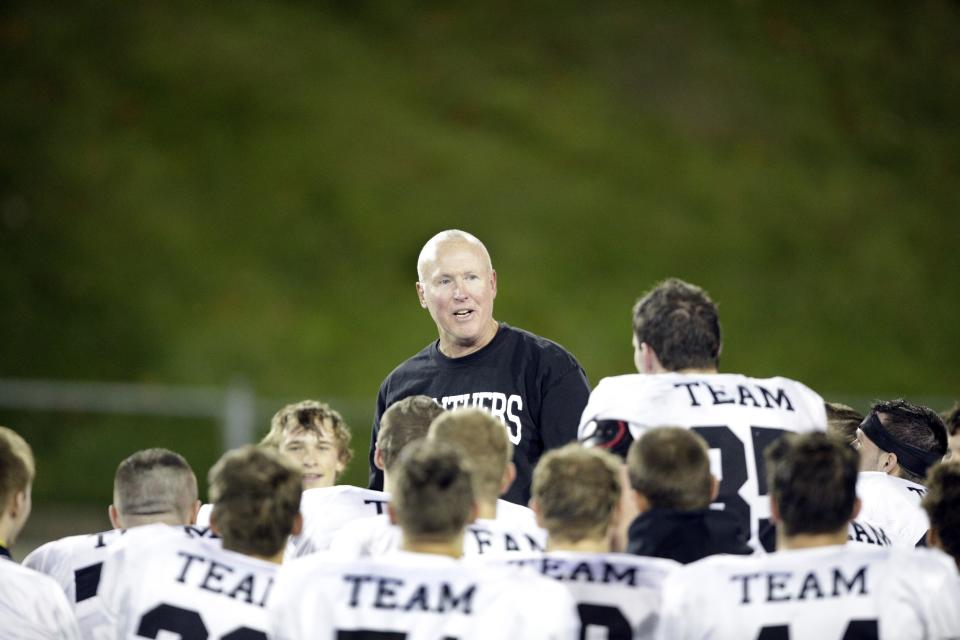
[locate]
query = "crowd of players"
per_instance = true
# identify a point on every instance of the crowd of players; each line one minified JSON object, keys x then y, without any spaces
{"x":682,"y":503}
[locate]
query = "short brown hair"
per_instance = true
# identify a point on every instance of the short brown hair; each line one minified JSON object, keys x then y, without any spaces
{"x":671,"y":468}
{"x":577,"y":489}
{"x":309,"y":415}
{"x":680,"y":322}
{"x":842,"y":421}
{"x":942,"y":504}
{"x":482,"y":440}
{"x":433,"y":495}
{"x":915,"y":425}
{"x":403,"y":422}
{"x":153,"y":483}
{"x":17,"y":466}
{"x":813,"y":480}
{"x":256,"y":496}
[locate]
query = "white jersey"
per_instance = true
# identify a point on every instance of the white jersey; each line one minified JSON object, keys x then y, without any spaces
{"x":75,"y":563}
{"x":33,"y":606}
{"x":862,"y":533}
{"x":159,"y":582}
{"x":893,"y":504}
{"x":825,"y":592}
{"x":617,"y":594}
{"x":514,"y":529}
{"x":737,"y":416}
{"x":416,"y":596}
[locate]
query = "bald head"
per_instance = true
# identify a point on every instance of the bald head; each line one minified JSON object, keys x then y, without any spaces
{"x":451,"y":236}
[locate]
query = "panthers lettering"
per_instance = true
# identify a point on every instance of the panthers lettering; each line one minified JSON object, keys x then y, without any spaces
{"x":507,"y":408}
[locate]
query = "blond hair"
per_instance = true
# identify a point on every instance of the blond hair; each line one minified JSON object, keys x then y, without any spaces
{"x":309,"y":415}
{"x":433,"y":495}
{"x":671,"y":468}
{"x":17,"y":466}
{"x":576,"y":489}
{"x":403,"y":422}
{"x":482,"y":440}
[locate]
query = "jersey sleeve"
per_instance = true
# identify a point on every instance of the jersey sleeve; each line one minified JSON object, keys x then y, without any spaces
{"x":48,"y":560}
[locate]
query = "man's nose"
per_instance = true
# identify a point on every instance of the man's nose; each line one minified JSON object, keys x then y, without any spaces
{"x":459,"y":290}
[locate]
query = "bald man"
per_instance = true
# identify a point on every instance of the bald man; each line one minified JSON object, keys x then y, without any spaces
{"x":534,"y":386}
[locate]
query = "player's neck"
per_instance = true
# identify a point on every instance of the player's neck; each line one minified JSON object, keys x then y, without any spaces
{"x":586,"y":545}
{"x":487,"y":510}
{"x":457,"y":350}
{"x":276,"y":558}
{"x":811,"y":540}
{"x":449,"y":547}
{"x":695,"y":370}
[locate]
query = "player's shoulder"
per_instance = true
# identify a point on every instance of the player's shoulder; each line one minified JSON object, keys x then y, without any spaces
{"x":885,"y":482}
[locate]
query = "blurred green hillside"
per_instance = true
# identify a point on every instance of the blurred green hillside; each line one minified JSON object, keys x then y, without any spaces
{"x":195,"y":192}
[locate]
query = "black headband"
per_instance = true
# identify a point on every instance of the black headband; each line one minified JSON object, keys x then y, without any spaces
{"x":910,"y":458}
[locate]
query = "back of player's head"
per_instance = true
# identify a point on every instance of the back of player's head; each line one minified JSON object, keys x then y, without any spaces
{"x":17,"y":466}
{"x":576,"y":490}
{"x":915,"y":433}
{"x":309,"y":415}
{"x":255,"y":493}
{"x":951,"y":419}
{"x":482,"y":440}
{"x":154,"y":485}
{"x":671,"y":468}
{"x":403,"y":422}
{"x":813,"y":480}
{"x":680,"y":322}
{"x":942,"y":504}
{"x":842,"y":421}
{"x":433,"y":495}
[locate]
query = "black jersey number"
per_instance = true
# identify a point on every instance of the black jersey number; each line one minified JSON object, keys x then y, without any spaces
{"x":856,"y":630}
{"x":610,"y":618}
{"x":733,"y":467}
{"x":188,"y":624}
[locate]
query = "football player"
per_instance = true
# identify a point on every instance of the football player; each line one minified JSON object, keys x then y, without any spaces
{"x":161,"y":581}
{"x":32,"y":605}
{"x":814,"y":586}
{"x":500,"y":525}
{"x":898,"y":441}
{"x":676,"y":339}
{"x":150,"y":486}
{"x":576,"y":494}
{"x":327,"y":510}
{"x":942,"y":504}
{"x":422,"y":591}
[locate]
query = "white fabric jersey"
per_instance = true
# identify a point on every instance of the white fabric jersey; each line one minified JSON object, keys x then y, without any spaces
{"x":416,"y":596}
{"x":893,"y":504}
{"x":737,"y":416}
{"x":33,"y":606}
{"x":617,"y":594}
{"x":75,"y":564}
{"x":811,"y":594}
{"x":514,"y":529}
{"x":158,"y":581}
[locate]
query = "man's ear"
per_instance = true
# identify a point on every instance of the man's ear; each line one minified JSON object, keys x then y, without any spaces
{"x":714,"y":487}
{"x":509,"y":475}
{"x":933,"y":539}
{"x":650,"y":360}
{"x":640,"y":500}
{"x":774,"y":511}
{"x":420,"y":295}
{"x":474,"y":513}
{"x":297,"y":524}
{"x":891,"y":464}
{"x":213,"y":525}
{"x":856,"y":509}
{"x":115,"y":517}
{"x":534,"y":505}
{"x":391,"y":513}
{"x":378,"y":458}
{"x":493,"y":282}
{"x":194,"y":512}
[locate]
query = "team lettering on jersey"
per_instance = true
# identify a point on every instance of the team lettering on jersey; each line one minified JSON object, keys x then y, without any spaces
{"x":218,"y":577}
{"x":866,"y":533}
{"x":785,"y":586}
{"x":397,"y":594}
{"x":500,"y":405}
{"x":486,"y":541}
{"x":702,"y":393}
{"x":605,"y":573}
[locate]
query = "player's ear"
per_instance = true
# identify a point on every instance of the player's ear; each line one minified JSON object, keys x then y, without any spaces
{"x":297,"y":524}
{"x":933,"y":539}
{"x":391,"y":513}
{"x":195,"y":512}
{"x":534,"y":505}
{"x":493,"y":282}
{"x":649,"y":359}
{"x":474,"y":513}
{"x":714,"y":487}
{"x":509,"y":475}
{"x":774,"y":511}
{"x":420,"y":295}
{"x":643,"y":504}
{"x":378,"y":458}
{"x":213,"y":525}
{"x":890,"y":463}
{"x":114,"y":517}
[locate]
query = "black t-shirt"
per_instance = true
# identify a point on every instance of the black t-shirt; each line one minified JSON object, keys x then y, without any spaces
{"x":535,"y":386}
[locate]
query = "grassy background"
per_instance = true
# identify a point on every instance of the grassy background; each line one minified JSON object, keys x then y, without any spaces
{"x":191,"y":193}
